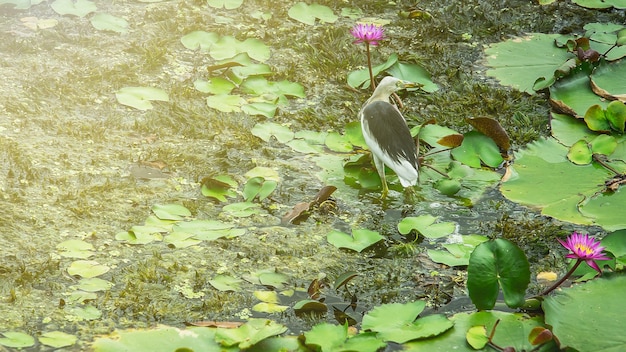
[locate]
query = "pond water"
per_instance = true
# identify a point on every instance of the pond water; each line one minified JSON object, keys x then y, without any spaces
{"x":76,"y":165}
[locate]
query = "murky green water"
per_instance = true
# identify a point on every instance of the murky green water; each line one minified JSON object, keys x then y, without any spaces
{"x":77,"y":165}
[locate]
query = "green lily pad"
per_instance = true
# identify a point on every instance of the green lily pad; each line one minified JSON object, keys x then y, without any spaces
{"x":606,"y":210}
{"x":160,"y":338}
{"x":239,"y":73}
{"x":141,"y":234}
{"x":227,"y":47}
{"x":494,"y":265}
{"x":456,"y":254}
{"x":616,"y":115}
{"x":520,"y":62}
{"x":85,"y":312}
{"x":225,"y":102}
{"x":307,"y":14}
{"x":543,"y":177}
{"x":226,"y":283}
{"x":57,"y":339}
{"x":21,"y":4}
{"x":76,"y":249}
{"x":174,"y":212}
{"x":94,"y":284}
{"x":258,"y":187}
{"x":426,"y":226}
{"x":250,"y":333}
{"x":268,"y":129}
{"x":181,"y":239}
{"x":273,"y":91}
{"x":227,"y":4}
{"x":16,"y":339}
{"x":396,"y":322}
{"x":80,"y":8}
{"x":219,"y":187}
{"x":260,"y":108}
{"x":265,"y":172}
{"x":513,"y":330}
{"x":205,"y":230}
{"x":576,"y":313}
{"x":329,"y":337}
{"x":267,"y":277}
{"x":580,"y":153}
{"x":242,"y":209}
{"x":573,"y":95}
{"x":604,"y":83}
{"x":361,"y":78}
{"x":87,"y":268}
{"x":477,"y":337}
{"x":360,"y":239}
{"x":199,"y":40}
{"x":477,"y":149}
{"x":215,"y":85}
{"x":140,"y":97}
{"x":108,"y":22}
{"x":596,"y":119}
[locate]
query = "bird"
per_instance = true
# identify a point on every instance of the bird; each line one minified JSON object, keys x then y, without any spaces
{"x":387,"y":135}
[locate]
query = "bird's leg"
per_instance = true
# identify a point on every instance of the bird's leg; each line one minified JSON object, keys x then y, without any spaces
{"x":380,"y":167}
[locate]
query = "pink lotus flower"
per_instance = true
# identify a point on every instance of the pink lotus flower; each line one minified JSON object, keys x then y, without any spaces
{"x":584,"y":248}
{"x":367,"y":33}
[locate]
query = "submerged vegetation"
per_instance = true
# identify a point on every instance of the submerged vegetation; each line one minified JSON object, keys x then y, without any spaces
{"x":200,"y":163}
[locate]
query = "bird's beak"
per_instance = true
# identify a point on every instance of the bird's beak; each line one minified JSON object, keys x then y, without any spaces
{"x":407,"y":84}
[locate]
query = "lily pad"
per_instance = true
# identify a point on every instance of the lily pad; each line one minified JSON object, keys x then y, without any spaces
{"x":456,"y":254}
{"x":477,"y":149}
{"x":108,"y":22}
{"x":250,"y":333}
{"x":576,"y":313}
{"x":160,"y":338}
{"x":227,"y":4}
{"x":329,"y":337}
{"x":361,"y":78}
{"x":227,"y":47}
{"x":140,"y":97}
{"x":268,"y":129}
{"x":215,"y":85}
{"x":80,"y":8}
{"x":199,"y":40}
{"x":57,"y":339}
{"x":16,"y":339}
{"x":225,"y":102}
{"x":520,"y":62}
{"x":496,"y":265}
{"x":87,"y":268}
{"x":360,"y":239}
{"x":397,"y":322}
{"x":543,"y":177}
{"x":76,"y":249}
{"x":426,"y":226}
{"x":307,"y":14}
{"x":174,"y":212}
{"x":219,"y":187}
{"x":94,"y":284}
{"x":226,"y":283}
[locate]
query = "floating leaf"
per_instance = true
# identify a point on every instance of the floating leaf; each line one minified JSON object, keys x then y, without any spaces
{"x":425,"y":225}
{"x":575,"y":313}
{"x":616,"y":115}
{"x":260,"y":108}
{"x":57,"y":339}
{"x":258,"y":187}
{"x":308,"y":13}
{"x":227,"y":4}
{"x":219,"y":187}
{"x":86,"y":312}
{"x":226,"y":283}
{"x":579,"y":153}
{"x":215,"y":85}
{"x":477,"y":149}
{"x":170,"y":211}
{"x":243,"y":209}
{"x":79,"y":8}
{"x":75,"y":249}
{"x":181,"y":239}
{"x":360,"y":239}
{"x":514,"y":59}
{"x":477,"y":337}
{"x":160,"y":338}
{"x":492,"y":129}
{"x":250,"y":333}
{"x":268,"y":129}
{"x":493,"y":265}
{"x":227,"y":47}
{"x":199,"y":40}
{"x":397,"y":322}
{"x":265,"y":172}
{"x":329,"y":337}
{"x":225,"y":102}
{"x":140,"y":97}
{"x":107,"y":22}
{"x":15,"y":339}
{"x":456,"y":254}
{"x":273,"y":91}
{"x":87,"y":268}
{"x":94,"y":284}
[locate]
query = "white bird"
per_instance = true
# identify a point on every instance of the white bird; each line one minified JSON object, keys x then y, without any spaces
{"x":387,"y":135}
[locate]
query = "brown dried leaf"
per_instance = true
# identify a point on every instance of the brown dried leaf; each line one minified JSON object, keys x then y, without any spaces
{"x":451,"y":141}
{"x":323,"y":194}
{"x":562,"y":108}
{"x":492,"y":129}
{"x":298,"y":214}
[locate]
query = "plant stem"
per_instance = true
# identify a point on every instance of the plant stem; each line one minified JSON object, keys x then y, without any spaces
{"x":558,"y":283}
{"x":369,"y":66}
